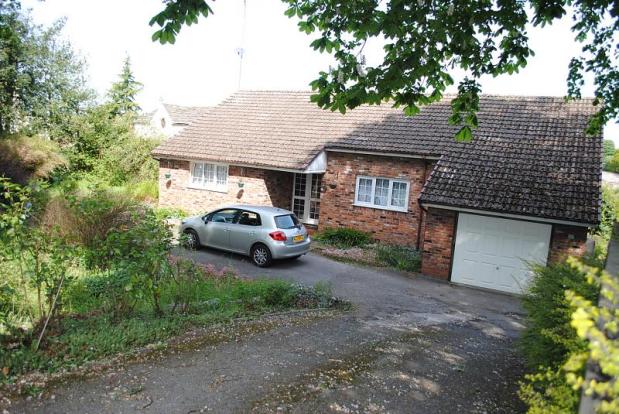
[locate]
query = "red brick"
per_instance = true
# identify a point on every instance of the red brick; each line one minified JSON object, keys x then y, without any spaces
{"x":337,"y":207}
{"x":262,"y":187}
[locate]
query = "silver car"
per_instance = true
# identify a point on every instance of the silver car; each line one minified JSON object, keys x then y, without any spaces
{"x":262,"y":233}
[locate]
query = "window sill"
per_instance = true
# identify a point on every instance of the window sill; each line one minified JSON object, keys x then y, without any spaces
{"x":215,"y":190}
{"x":386,"y":208}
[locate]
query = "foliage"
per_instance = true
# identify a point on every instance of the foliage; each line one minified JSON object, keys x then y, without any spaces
{"x":610,"y":201}
{"x":94,"y":216}
{"x":612,"y":164}
{"x":400,"y":257}
{"x":547,"y":392}
{"x":210,"y":296}
{"x":24,"y":158}
{"x":608,"y":150}
{"x":41,"y":78}
{"x":549,"y":338}
{"x":426,"y":42}
{"x":38,"y":256}
{"x":129,"y":159}
{"x":344,"y":237}
{"x":91,"y":133}
{"x":597,"y":323}
{"x":123,"y":93}
{"x":140,"y":252}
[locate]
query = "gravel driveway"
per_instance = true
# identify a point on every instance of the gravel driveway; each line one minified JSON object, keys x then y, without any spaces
{"x":411,"y":345}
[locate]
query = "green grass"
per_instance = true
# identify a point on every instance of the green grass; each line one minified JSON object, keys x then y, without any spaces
{"x":90,"y":331}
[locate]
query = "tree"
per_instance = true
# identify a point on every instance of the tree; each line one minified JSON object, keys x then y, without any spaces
{"x":123,"y":92}
{"x":41,"y":78}
{"x":426,"y":40}
{"x":608,"y":150}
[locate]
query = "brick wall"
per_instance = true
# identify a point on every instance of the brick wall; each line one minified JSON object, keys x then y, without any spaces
{"x":439,"y":232}
{"x":339,"y":181}
{"x":567,"y":241}
{"x":262,"y":187}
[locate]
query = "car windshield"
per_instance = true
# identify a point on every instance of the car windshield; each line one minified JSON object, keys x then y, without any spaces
{"x":289,"y":221}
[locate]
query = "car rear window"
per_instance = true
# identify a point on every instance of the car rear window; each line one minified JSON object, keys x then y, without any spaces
{"x":289,"y":221}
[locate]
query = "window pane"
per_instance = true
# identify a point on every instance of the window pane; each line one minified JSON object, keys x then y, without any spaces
{"x":298,"y":207}
{"x":197,"y":173}
{"x":299,"y":185}
{"x":398,"y":194}
{"x":249,"y":218}
{"x":222,"y":175}
{"x":224,"y":216}
{"x":381,"y":192}
{"x":288,"y":221}
{"x":209,"y":174}
{"x":364,"y":191}
{"x":316,"y":183}
{"x":314,"y":212}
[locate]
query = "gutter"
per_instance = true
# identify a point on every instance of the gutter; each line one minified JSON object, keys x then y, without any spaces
{"x":508,"y":215}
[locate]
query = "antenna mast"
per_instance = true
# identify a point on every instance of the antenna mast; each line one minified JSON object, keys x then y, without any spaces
{"x":240,"y":50}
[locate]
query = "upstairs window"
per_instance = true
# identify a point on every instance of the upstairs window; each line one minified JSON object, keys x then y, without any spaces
{"x":383,"y":193}
{"x":209,"y":176}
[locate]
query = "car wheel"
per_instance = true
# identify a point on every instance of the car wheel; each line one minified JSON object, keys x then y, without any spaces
{"x":261,"y":255}
{"x":192,"y":241}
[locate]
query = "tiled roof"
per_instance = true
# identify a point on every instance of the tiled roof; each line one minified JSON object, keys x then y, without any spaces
{"x":185,"y":114}
{"x":529,"y":156}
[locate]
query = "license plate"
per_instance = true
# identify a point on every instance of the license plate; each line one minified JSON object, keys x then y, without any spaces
{"x":299,"y":238}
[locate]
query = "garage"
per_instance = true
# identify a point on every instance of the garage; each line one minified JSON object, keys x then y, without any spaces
{"x":493,"y":252}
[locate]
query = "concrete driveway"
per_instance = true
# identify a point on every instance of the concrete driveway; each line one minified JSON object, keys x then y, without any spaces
{"x":411,"y":345}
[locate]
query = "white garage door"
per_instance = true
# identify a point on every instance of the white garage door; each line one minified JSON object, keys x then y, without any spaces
{"x":493,"y":252}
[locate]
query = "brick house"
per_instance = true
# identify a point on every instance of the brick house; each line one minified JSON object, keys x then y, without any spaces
{"x":526,"y":189}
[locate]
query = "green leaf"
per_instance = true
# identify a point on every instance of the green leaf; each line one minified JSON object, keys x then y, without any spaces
{"x":464,"y":135}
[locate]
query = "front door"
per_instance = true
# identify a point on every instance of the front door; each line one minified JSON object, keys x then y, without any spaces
{"x":306,"y":197}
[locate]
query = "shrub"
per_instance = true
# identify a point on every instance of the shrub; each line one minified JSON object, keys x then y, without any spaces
{"x":610,"y":204}
{"x":596,"y":322}
{"x":128,"y":161}
{"x":140,"y":252}
{"x":548,"y":392}
{"x":24,"y":158}
{"x":147,"y":190}
{"x":549,"y":338}
{"x":344,"y":237}
{"x":97,"y":214}
{"x":401,"y":257}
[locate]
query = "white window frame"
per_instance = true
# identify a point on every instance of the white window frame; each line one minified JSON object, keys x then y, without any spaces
{"x":221,"y":188}
{"x":389,"y":206}
{"x":307,"y":198}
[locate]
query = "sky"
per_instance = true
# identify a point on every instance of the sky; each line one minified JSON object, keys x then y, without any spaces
{"x":202,"y":67}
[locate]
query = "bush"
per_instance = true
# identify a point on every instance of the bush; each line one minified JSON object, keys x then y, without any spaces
{"x":128,"y":161}
{"x":610,"y":211}
{"x":24,"y":158}
{"x":401,"y":257}
{"x":549,"y":339}
{"x":344,"y":237}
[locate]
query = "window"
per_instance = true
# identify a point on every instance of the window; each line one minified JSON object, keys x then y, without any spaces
{"x":209,"y":176}
{"x":306,"y":197}
{"x":286,"y":222}
{"x":249,"y":218}
{"x":223,"y":216}
{"x":385,"y":193}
